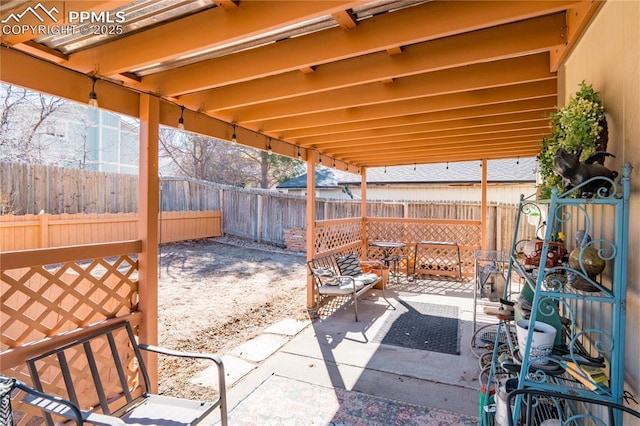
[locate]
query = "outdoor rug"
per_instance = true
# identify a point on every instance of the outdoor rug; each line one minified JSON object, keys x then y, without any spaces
{"x":422,"y":326}
{"x":283,"y":401}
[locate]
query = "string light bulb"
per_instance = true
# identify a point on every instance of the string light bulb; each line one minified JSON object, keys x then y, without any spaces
{"x":447,"y":165}
{"x":299,"y":155}
{"x":234,"y":138}
{"x":334,"y":163}
{"x":414,"y":166}
{"x":518,"y":160}
{"x":269,"y":150}
{"x":93,"y":97}
{"x":181,"y":119}
{"x":385,"y":169}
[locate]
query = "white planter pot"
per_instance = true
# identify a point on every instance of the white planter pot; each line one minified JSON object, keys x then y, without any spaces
{"x":541,"y":341}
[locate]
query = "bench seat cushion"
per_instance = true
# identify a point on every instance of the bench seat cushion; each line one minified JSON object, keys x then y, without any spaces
{"x":346,"y":285}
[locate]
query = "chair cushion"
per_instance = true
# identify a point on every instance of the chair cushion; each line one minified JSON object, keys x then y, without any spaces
{"x":366,"y":278}
{"x":349,"y":265}
{"x":327,"y":276}
{"x":345,"y":287}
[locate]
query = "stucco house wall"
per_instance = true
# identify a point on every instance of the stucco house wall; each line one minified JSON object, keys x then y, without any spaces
{"x":608,"y":57}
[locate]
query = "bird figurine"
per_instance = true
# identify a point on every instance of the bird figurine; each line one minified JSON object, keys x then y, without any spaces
{"x":575,"y":172}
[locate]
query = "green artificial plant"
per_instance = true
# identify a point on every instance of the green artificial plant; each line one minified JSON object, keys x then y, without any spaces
{"x":578,"y":125}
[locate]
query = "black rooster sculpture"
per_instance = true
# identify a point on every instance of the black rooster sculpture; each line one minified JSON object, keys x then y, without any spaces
{"x":574,"y":172}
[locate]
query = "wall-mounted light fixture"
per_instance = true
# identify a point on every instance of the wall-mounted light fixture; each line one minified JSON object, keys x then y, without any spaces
{"x":93,"y":97}
{"x":181,"y":119}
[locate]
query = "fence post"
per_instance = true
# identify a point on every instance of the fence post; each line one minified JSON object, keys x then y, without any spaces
{"x":44,"y":230}
{"x":258,"y":220}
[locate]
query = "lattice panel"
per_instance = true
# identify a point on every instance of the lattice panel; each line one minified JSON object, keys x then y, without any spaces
{"x":42,"y":301}
{"x":437,"y":260}
{"x":467,"y":234}
{"x":336,"y":235}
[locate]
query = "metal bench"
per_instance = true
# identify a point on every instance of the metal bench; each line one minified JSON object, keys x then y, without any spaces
{"x":329,"y":282}
{"x":101,"y":379}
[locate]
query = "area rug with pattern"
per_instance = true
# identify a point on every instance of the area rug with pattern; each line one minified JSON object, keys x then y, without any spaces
{"x":284,"y":401}
{"x":424,"y":326}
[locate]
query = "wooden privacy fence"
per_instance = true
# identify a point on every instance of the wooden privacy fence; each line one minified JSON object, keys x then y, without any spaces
{"x":256,"y":214}
{"x":46,"y":230}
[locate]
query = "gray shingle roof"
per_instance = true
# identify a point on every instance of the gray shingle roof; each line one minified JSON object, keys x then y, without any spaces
{"x":499,"y":171}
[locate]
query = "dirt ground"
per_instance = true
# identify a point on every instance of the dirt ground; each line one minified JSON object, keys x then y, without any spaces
{"x":218,"y":293}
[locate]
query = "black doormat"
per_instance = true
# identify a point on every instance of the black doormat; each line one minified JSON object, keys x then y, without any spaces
{"x":422,"y":326}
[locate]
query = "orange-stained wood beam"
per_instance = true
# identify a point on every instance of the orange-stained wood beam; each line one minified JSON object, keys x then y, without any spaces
{"x":403,"y":27}
{"x":432,"y":158}
{"x":421,"y":143}
{"x":227,"y":4}
{"x":20,"y":69}
{"x":540,"y":128}
{"x":494,"y":123}
{"x":531,"y":36}
{"x":578,"y":17}
{"x":501,"y":112}
{"x":461,"y":79}
{"x":483,"y":205}
{"x":186,"y":36}
{"x":148,"y":210}
{"x":23,"y":70}
{"x":42,"y":51}
{"x":470,"y":152}
{"x":345,"y":19}
{"x":473,"y":98}
{"x":311,"y":222}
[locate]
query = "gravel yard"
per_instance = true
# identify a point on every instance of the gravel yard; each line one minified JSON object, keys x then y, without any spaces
{"x":218,"y":293}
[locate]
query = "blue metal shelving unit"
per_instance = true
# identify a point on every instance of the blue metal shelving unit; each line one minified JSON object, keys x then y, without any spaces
{"x":588,"y":309}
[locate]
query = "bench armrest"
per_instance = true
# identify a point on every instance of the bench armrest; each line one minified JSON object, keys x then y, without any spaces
{"x":181,"y":354}
{"x":195,"y":355}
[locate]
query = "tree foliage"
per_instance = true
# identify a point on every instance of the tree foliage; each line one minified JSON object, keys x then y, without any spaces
{"x":213,"y":160}
{"x":25,"y":119}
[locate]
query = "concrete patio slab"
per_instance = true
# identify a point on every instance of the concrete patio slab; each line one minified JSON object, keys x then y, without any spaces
{"x":234,"y":368}
{"x":260,"y":348}
{"x":287,"y":327}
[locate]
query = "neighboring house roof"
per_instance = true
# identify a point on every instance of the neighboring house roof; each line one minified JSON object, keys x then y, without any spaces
{"x":499,"y":171}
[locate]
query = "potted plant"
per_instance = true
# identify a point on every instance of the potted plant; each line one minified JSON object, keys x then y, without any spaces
{"x":578,"y":127}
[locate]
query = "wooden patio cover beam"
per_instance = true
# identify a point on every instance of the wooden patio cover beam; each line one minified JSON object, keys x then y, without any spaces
{"x":462,"y":79}
{"x":417,"y":24}
{"x":185,"y":36}
{"x":474,"y":116}
{"x":520,"y":38}
{"x":445,"y":129}
{"x":473,"y":103}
